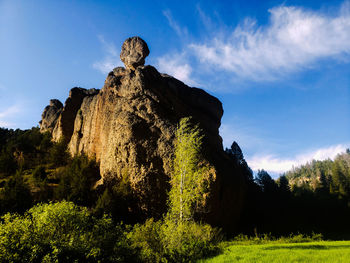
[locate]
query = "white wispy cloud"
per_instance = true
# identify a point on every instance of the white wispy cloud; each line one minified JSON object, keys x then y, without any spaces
{"x":276,"y":165}
{"x":177,"y":66}
{"x":111,"y":58}
{"x":7,"y":114}
{"x":206,"y":20}
{"x":180,"y":31}
{"x":293,"y":39}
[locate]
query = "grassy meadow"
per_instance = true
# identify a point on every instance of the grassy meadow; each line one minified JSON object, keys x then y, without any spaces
{"x":319,"y":251}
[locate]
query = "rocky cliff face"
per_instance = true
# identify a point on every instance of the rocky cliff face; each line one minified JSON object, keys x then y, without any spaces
{"x":50,"y":115}
{"x":129,"y":127}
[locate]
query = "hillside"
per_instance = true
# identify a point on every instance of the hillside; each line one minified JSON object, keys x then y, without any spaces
{"x":332,"y":176}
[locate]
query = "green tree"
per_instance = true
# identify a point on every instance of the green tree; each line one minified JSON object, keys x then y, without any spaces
{"x":178,"y":238}
{"x":59,"y":155}
{"x":77,"y":180}
{"x":192,"y":175}
{"x":283,"y":185}
{"x":8,"y":164}
{"x":236,"y":154}
{"x":62,"y":232}
{"x":265,"y":181}
{"x":39,"y":173}
{"x":16,"y":195}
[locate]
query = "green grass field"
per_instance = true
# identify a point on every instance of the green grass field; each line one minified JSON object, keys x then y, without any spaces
{"x":320,"y":251}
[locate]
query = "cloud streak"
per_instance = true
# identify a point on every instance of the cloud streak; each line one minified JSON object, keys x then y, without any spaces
{"x":293,"y":39}
{"x":174,"y":25}
{"x":7,"y":114}
{"x":177,"y":66}
{"x":278,"y":165}
{"x":111,"y":59}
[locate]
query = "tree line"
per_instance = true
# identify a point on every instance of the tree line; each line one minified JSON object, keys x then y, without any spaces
{"x":312,"y":198}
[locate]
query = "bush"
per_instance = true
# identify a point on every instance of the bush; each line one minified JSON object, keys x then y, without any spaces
{"x":189,"y":241}
{"x":147,"y":239}
{"x":300,"y":238}
{"x":77,"y":180}
{"x":39,"y":174}
{"x":8,"y":164}
{"x":61,"y":232}
{"x":117,"y":199}
{"x":59,"y":155}
{"x":165,"y":241}
{"x":16,"y":195}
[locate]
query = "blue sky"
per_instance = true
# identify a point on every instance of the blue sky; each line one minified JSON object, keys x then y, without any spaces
{"x":280,"y":68}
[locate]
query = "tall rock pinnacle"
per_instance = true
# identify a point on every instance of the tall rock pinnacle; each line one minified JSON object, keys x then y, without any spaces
{"x":129,"y":128}
{"x":134,"y":51}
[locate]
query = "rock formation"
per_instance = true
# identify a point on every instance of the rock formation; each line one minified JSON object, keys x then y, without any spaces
{"x":129,"y":126}
{"x":64,"y":125}
{"x":50,"y":115}
{"x":134,"y":52}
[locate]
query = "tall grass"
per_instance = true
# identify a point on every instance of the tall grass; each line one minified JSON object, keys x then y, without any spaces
{"x":277,"y":251}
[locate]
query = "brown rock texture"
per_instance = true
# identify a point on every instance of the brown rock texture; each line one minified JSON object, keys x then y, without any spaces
{"x":65,"y":122}
{"x":134,"y":51}
{"x":50,"y":115}
{"x":129,"y":127}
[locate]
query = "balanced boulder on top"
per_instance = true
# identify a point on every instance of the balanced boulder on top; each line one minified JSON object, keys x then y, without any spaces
{"x":134,"y":51}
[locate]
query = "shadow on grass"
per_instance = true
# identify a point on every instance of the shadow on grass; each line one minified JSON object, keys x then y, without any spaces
{"x":311,"y":247}
{"x":213,"y":253}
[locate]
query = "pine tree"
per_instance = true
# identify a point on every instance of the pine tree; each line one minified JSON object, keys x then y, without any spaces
{"x":236,"y":154}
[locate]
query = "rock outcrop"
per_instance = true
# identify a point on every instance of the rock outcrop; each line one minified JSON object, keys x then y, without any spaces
{"x":50,"y":115}
{"x":129,"y":127}
{"x":134,"y":51}
{"x":65,"y":123}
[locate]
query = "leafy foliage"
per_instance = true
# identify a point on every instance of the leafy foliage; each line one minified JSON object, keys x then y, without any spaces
{"x":16,"y":195}
{"x":166,"y":241}
{"x":39,"y":173}
{"x":178,"y":238}
{"x":59,"y":155}
{"x":77,"y":180}
{"x":192,"y":175}
{"x":117,"y":200}
{"x":61,"y":232}
{"x":22,"y":149}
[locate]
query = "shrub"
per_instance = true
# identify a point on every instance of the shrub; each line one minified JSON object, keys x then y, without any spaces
{"x":189,"y":241}
{"x":8,"y":164}
{"x":147,"y":239}
{"x":61,"y":232}
{"x":117,"y":199}
{"x":39,"y":173}
{"x":165,"y":241}
{"x":77,"y":180}
{"x":16,"y":195}
{"x":59,"y":155}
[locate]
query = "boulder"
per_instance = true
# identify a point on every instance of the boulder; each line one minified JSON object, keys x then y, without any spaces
{"x":134,"y":51}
